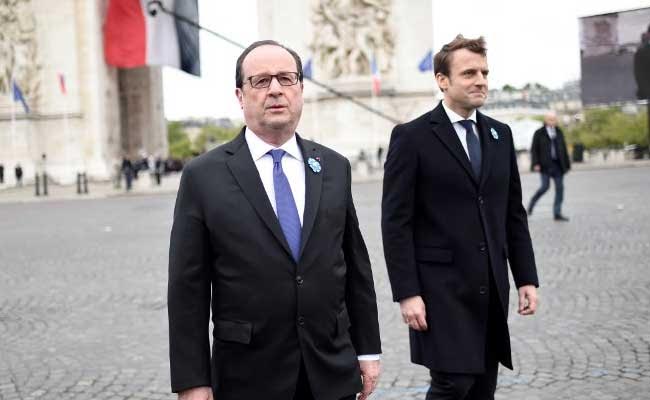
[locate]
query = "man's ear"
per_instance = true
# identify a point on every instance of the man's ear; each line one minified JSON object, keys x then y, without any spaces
{"x":443,"y":81}
{"x":240,"y":97}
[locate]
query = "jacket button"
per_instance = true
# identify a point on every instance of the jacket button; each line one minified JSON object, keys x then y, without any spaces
{"x":301,"y":320}
{"x":480,"y":199}
{"x":299,"y":280}
{"x":482,"y":246}
{"x":482,"y":290}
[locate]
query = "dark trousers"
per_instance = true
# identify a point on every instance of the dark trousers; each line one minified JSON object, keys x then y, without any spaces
{"x":128,"y":177}
{"x":554,"y":173}
{"x":303,"y":390}
{"x":458,"y":386}
{"x":446,"y":386}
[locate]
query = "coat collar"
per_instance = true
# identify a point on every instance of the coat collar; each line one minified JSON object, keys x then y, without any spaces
{"x":444,"y":130}
{"x":313,"y":187}
{"x":488,"y":143}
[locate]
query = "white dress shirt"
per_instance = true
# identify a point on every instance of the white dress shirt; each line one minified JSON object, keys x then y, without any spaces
{"x":460,"y":131}
{"x":550,"y":131}
{"x":293,"y":167}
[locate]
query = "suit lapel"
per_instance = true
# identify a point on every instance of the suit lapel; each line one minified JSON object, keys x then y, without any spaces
{"x":487,"y":147}
{"x":313,"y":186}
{"x":443,"y":128}
{"x":243,"y":168}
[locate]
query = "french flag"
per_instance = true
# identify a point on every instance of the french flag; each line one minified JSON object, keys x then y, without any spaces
{"x":133,"y":38}
{"x":376,"y":78}
{"x":62,"y":84}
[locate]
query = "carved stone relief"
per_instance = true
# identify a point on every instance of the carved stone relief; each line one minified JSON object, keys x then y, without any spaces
{"x":348,"y":33}
{"x":19,"y":49}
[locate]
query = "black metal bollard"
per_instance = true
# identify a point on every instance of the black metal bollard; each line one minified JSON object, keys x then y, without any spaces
{"x":44,"y":184}
{"x":85,"y":183}
{"x":78,"y":183}
{"x":37,"y":185}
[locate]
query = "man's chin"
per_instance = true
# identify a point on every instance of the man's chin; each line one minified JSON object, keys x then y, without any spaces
{"x":278,"y":123}
{"x":478,"y":102}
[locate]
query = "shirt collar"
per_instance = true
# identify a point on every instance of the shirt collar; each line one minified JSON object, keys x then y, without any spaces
{"x":453,"y":117}
{"x":260,"y":148}
{"x":550,"y":130}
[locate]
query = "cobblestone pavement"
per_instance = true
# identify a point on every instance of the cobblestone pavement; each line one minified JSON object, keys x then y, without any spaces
{"x":83,"y":316}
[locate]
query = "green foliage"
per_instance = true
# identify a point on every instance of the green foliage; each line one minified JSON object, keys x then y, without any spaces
{"x":179,"y":143}
{"x":610,"y":128}
{"x":212,"y":135}
{"x":535,"y":85}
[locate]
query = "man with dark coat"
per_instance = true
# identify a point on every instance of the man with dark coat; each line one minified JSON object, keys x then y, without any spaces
{"x":266,"y":239}
{"x":18,"y":172}
{"x":642,"y":67}
{"x":451,"y":220}
{"x":549,"y":157}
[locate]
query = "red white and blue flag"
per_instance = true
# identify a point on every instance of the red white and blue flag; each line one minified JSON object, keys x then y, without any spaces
{"x":18,"y":96}
{"x":133,"y":38}
{"x":376,"y":77}
{"x":62,"y":84}
{"x":307,"y":70}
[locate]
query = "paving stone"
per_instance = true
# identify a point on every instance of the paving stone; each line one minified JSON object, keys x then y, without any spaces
{"x":82,"y":308}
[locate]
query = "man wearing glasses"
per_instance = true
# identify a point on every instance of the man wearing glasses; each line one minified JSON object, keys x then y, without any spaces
{"x":265,"y":236}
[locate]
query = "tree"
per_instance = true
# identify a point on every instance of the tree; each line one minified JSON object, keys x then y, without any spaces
{"x":180,"y":146}
{"x":213,"y":135}
{"x":610,"y":128}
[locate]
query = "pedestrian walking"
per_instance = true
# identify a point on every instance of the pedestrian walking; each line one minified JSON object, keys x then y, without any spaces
{"x":159,"y":167}
{"x":127,"y":171}
{"x":549,"y":157}
{"x":18,"y":172}
{"x":452,"y":218}
{"x":265,"y":235}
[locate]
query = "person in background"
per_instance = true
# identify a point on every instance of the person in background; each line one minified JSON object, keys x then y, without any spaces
{"x":549,"y":157}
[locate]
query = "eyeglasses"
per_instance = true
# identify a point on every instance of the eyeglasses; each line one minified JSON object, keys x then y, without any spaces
{"x":264,"y":80}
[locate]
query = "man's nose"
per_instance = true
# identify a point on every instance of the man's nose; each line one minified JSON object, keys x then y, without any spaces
{"x":482,"y":79}
{"x":274,"y":86}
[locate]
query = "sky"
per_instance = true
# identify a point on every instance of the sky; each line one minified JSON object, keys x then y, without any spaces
{"x":528,"y":41}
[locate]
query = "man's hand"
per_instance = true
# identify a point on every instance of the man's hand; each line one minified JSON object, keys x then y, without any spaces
{"x":197,"y":393}
{"x":414,"y":313}
{"x":536,"y":167}
{"x":527,"y":300}
{"x":370,"y":370}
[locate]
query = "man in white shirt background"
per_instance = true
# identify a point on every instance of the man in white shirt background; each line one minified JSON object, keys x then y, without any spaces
{"x":549,"y":157}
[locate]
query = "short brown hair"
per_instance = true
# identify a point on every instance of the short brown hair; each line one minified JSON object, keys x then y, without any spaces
{"x":239,"y":74}
{"x":442,"y":59}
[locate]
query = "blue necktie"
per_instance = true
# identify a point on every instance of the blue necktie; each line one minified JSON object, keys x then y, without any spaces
{"x":473,"y":146}
{"x":285,"y":205}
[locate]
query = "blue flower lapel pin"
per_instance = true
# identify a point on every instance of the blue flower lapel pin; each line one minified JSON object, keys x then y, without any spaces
{"x":314,"y":164}
{"x":494,"y":133}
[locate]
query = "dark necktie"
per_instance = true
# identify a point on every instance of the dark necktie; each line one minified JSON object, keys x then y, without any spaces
{"x":286,"y":205}
{"x":473,"y":146}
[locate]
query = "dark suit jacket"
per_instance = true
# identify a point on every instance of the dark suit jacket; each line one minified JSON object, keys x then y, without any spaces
{"x":642,"y":71}
{"x":540,"y":151}
{"x":269,"y":313}
{"x":444,"y":231}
